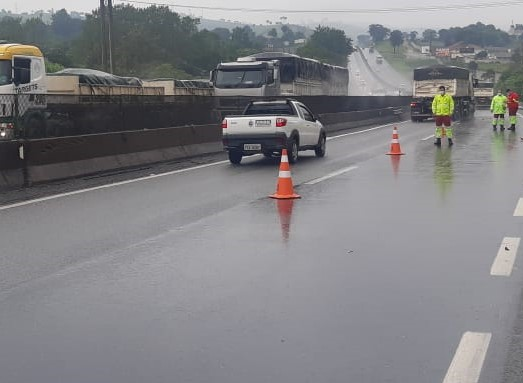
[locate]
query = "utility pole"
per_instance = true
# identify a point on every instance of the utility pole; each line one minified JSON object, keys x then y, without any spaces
{"x":106,"y":25}
{"x":103,"y":34}
{"x":109,"y":35}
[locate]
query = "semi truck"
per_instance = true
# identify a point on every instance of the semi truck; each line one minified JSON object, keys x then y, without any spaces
{"x":22,"y":74}
{"x":279,"y":74}
{"x":458,"y":83}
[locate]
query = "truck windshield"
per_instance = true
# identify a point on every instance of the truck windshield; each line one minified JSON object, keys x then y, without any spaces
{"x":5,"y":72}
{"x":239,"y":78}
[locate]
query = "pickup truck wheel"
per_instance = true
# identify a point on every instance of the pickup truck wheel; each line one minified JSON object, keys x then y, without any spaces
{"x":235,"y":157}
{"x":322,"y":146}
{"x":292,"y":150}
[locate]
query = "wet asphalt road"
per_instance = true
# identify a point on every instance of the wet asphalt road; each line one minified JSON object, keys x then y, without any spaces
{"x":375,"y":79}
{"x":374,"y":275}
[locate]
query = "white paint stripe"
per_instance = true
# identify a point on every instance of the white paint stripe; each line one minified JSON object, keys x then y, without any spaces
{"x":330,"y":175}
{"x":427,"y":138}
{"x":81,"y":191}
{"x":284,"y":158}
{"x":506,"y":257}
{"x":365,"y":130}
{"x":518,"y":212}
{"x":468,"y":360}
{"x":284,"y":174}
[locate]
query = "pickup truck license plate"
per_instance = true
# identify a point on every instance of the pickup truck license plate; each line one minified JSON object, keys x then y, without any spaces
{"x":262,"y":122}
{"x":251,"y":146}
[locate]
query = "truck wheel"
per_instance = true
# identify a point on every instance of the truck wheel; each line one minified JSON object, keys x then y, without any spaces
{"x":235,"y":157}
{"x":292,"y":150}
{"x":322,"y":146}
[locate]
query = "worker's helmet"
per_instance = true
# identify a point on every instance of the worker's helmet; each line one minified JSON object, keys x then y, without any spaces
{"x":441,"y":87}
{"x":508,"y":90}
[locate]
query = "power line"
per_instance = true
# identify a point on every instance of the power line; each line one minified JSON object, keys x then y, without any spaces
{"x":430,"y":8}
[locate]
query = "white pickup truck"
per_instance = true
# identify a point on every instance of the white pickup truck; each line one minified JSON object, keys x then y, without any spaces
{"x":268,"y":126}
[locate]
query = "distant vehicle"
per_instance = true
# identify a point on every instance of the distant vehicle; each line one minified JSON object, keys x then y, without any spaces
{"x":371,"y":49}
{"x":279,"y":74}
{"x":483,"y":93}
{"x":379,"y":60}
{"x":457,"y":82}
{"x":268,"y":126}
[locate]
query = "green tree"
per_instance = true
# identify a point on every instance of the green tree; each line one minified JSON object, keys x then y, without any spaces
{"x":11,"y":29}
{"x":378,"y":32}
{"x":328,"y":44}
{"x":223,"y":33}
{"x":396,"y":39}
{"x":363,"y":40}
{"x":273,"y":33}
{"x":287,"y":34}
{"x":413,"y":35}
{"x":64,"y":26}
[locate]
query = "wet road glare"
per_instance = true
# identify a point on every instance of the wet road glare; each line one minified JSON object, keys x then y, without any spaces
{"x":379,"y":273}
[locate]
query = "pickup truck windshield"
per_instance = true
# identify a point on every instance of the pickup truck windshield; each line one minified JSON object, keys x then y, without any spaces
{"x":269,"y":109}
{"x":239,"y":78}
{"x":5,"y":72}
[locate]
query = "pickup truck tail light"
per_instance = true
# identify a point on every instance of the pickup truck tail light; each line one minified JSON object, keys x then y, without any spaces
{"x":224,"y":123}
{"x":413,"y":104}
{"x":281,"y":122}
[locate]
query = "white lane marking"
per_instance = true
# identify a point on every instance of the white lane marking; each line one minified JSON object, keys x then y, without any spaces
{"x":506,"y":257}
{"x":365,"y":130}
{"x":330,"y":175}
{"x":427,"y":138}
{"x":81,"y":191}
{"x":518,"y":212}
{"x":468,"y":360}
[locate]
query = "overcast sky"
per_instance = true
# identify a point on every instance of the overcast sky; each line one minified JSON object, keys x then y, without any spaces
{"x":499,"y":13}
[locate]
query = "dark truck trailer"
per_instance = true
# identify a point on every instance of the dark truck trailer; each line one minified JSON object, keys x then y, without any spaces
{"x":458,"y":83}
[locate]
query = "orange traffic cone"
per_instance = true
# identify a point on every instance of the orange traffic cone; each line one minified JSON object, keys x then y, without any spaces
{"x":284,"y":189}
{"x":395,"y":148}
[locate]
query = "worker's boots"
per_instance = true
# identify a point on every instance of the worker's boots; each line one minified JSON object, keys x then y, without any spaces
{"x":494,"y":127}
{"x":501,"y":128}
{"x":451,"y":142}
{"x":512,"y":127}
{"x":437,"y":142}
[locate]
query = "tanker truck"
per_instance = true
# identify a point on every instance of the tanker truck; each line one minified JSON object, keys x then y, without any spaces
{"x":458,"y":83}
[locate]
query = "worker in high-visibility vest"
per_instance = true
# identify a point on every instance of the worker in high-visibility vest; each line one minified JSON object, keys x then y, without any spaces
{"x":442,"y":109}
{"x":512,"y":106}
{"x":498,"y":107}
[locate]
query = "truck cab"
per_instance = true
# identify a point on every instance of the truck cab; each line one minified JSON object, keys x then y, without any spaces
{"x":22,"y":86}
{"x":246,"y":77}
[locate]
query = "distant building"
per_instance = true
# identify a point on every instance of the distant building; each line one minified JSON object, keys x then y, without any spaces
{"x":516,"y":30}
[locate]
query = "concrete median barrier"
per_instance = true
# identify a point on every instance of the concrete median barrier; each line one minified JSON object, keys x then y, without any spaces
{"x":71,"y":156}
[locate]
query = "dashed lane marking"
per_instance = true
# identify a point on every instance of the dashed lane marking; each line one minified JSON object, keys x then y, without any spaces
{"x":469,"y":358}
{"x":331,"y":175}
{"x":365,"y":130}
{"x":506,"y":257}
{"x":518,"y":212}
{"x":427,"y":138}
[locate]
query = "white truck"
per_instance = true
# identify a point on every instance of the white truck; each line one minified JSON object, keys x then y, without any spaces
{"x":268,"y":126}
{"x":22,"y":74}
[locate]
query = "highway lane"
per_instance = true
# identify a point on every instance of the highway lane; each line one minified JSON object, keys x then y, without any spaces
{"x":375,"y":275}
{"x":397,"y":82}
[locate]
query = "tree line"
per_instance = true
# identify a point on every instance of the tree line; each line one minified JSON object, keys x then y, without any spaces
{"x":156,"y":42}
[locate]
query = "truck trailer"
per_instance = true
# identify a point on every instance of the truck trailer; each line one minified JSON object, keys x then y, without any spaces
{"x":458,"y":83}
